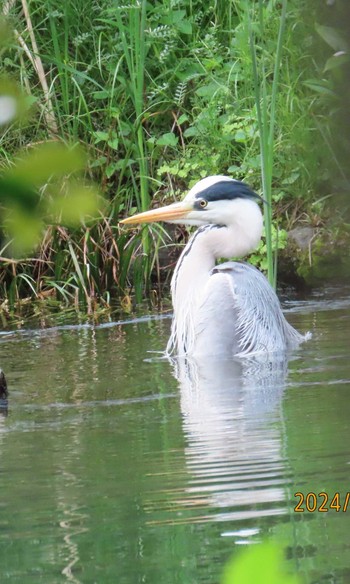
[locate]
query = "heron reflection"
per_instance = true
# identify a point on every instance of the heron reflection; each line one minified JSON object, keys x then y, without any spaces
{"x":233,"y":426}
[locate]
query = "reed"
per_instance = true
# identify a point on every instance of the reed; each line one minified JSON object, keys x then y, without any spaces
{"x":131,"y":23}
{"x":265,"y":93}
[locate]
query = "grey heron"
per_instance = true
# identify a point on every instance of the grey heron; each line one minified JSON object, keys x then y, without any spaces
{"x":230,"y":308}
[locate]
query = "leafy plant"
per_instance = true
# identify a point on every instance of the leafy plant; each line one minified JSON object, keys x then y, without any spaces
{"x":258,"y":564}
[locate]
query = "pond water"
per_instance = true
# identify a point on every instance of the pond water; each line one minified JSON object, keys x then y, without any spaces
{"x":118,"y":466}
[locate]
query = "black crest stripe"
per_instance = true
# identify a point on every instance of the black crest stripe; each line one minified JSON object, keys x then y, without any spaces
{"x":227,"y":190}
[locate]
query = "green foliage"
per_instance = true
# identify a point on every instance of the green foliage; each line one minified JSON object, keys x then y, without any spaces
{"x":331,"y":88}
{"x":278,"y":241}
{"x":160,"y":94}
{"x":259,"y":564}
{"x":36,"y":191}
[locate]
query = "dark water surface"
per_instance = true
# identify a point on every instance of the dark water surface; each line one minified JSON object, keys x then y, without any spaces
{"x":120,"y":467}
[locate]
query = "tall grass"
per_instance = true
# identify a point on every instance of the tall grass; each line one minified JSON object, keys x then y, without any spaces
{"x":133,"y":33}
{"x":265,"y":103}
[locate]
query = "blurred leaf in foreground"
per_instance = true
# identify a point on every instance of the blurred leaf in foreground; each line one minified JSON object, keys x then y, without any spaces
{"x":45,"y":186}
{"x":78,"y":203}
{"x":47,"y":161}
{"x":5,"y":33}
{"x":23,"y":232}
{"x":259,"y":564}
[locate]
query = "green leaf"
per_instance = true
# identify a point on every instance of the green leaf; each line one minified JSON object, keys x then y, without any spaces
{"x":30,"y":100}
{"x":101,"y":94}
{"x":240,"y":136}
{"x":234,"y":168}
{"x":100,"y":161}
{"x":176,"y":19}
{"x":182,"y":119}
{"x":79,"y":203}
{"x":336,"y":61}
{"x":289,"y":180}
{"x":208,"y":90}
{"x":113,"y":143}
{"x":40,"y":164}
{"x":111,"y":169}
{"x":23,"y":228}
{"x":259,"y":564}
{"x":185,"y":27}
{"x":319,"y":86}
{"x":192,"y":131}
{"x":168,"y":139}
{"x":19,"y":192}
{"x":5,"y":32}
{"x":332,"y":37}
{"x":176,"y":16}
{"x":101,"y":137}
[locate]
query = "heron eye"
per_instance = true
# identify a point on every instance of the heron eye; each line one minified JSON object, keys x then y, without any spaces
{"x":203,"y":203}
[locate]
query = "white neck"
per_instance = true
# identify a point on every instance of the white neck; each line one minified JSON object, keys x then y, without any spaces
{"x":197,"y":260}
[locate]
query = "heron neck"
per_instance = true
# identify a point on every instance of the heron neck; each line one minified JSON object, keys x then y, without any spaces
{"x":189,"y":278}
{"x":194,"y":265}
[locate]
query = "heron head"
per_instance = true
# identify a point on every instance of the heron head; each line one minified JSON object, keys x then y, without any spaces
{"x":211,"y":200}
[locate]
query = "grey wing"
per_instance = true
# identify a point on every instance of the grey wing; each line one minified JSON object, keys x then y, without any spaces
{"x":240,"y":314}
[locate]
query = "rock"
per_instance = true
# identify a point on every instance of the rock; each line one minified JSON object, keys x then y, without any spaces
{"x":302,"y":236}
{"x":3,"y":385}
{"x":316,"y":256}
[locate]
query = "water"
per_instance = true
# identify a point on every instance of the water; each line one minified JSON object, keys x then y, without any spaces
{"x":118,"y":466}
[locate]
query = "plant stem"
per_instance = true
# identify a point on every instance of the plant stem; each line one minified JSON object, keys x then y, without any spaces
{"x":38,"y":65}
{"x":134,"y":48}
{"x":266,"y":116}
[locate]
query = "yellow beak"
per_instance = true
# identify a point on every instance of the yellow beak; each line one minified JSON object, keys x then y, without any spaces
{"x":168,"y":213}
